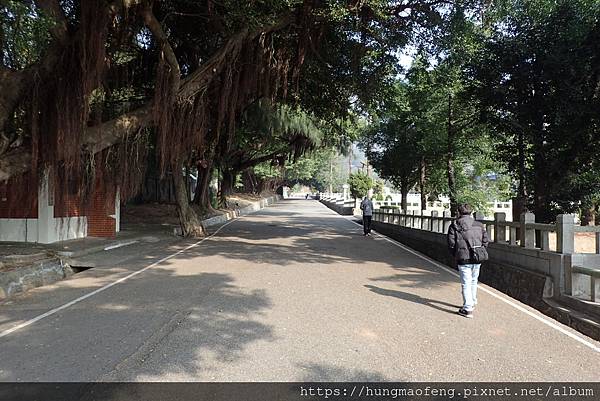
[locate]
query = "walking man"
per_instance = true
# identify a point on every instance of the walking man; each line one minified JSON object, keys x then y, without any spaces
{"x":367,"y":208}
{"x":467,"y":242}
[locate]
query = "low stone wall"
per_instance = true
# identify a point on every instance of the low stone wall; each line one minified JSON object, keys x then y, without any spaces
{"x":258,"y":205}
{"x":37,"y":274}
{"x":520,"y":275}
{"x":339,"y":209}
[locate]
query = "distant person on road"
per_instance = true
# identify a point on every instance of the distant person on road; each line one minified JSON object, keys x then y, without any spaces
{"x":367,"y":208}
{"x":467,"y":242}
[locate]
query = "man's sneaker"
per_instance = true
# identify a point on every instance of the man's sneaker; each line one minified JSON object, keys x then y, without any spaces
{"x":465,"y":313}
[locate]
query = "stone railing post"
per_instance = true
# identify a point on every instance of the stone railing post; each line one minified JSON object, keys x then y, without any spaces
{"x":565,"y":233}
{"x":598,"y":242}
{"x":499,"y":231}
{"x":446,"y":224}
{"x":435,"y":223}
{"x":527,"y":234}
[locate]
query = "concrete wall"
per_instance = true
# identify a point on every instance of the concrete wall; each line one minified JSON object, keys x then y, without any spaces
{"x":342,"y":209}
{"x":525,"y":274}
{"x":579,"y":285}
{"x":52,"y":229}
{"x":66,"y":228}
{"x":19,"y":230}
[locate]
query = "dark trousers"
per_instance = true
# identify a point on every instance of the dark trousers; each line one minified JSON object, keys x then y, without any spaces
{"x":367,"y":224}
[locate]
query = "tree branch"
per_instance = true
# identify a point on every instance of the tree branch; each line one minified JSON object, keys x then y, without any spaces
{"x":52,"y":8}
{"x":14,"y":163}
{"x":253,"y":162}
{"x":198,"y":81}
{"x":102,"y":136}
{"x":167,"y":50}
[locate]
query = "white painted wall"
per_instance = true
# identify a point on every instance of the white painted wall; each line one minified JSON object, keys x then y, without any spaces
{"x":51,"y":229}
{"x":46,"y":228}
{"x":65,"y":228}
{"x":117,"y":215}
{"x":19,"y":230}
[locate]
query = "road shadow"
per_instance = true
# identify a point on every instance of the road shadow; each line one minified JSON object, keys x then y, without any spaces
{"x":330,"y":373}
{"x":407,"y":296}
{"x":154,"y":326}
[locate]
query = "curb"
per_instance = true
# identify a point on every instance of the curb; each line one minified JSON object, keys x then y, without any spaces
{"x":25,"y":278}
{"x":97,"y":248}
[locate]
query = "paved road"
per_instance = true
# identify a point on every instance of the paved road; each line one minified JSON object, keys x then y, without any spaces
{"x":292,"y":293}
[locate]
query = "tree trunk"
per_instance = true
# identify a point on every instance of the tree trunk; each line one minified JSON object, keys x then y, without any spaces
{"x":520,"y":202}
{"x":201,"y":195}
{"x":227,"y":183}
{"x":522,"y":192}
{"x":422,"y":178}
{"x":404,"y":192}
{"x":588,"y":214}
{"x":330,"y":175}
{"x":450,"y":162}
{"x":542,"y":182}
{"x":191,"y":225}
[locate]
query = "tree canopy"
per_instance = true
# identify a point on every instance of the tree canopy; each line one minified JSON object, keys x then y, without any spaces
{"x":499,"y":93}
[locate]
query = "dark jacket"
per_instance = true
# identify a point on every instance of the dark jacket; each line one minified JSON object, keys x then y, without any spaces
{"x":367,"y":207}
{"x":462,"y":229}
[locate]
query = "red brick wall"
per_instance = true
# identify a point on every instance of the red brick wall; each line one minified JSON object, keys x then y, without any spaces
{"x":15,"y":205}
{"x":100,"y":224}
{"x":98,"y":210}
{"x":68,"y":206}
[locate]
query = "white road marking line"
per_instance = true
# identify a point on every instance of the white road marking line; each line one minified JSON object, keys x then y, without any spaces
{"x":120,"y":245}
{"x":503,"y":299}
{"x":107,"y":286}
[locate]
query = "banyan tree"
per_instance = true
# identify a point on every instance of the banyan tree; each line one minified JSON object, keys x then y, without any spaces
{"x":90,"y":89}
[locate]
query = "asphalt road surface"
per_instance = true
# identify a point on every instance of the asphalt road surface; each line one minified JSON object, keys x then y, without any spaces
{"x":291,"y":293}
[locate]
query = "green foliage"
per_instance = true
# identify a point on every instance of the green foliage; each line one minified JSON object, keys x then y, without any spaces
{"x":360,"y":184}
{"x":266,"y":170}
{"x":536,"y":81}
{"x":497,"y":88}
{"x":410,"y":132}
{"x":214,"y":202}
{"x":24,"y":33}
{"x":378,"y":190}
{"x":319,"y":169}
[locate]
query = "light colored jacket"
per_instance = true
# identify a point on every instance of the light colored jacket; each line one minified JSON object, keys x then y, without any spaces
{"x":367,"y":207}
